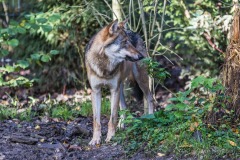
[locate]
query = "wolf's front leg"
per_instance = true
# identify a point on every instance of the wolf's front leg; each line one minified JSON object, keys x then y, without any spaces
{"x":96,"y":105}
{"x":112,"y":124}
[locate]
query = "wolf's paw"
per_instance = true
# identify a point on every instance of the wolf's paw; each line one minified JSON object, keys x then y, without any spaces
{"x":120,"y":122}
{"x":108,"y":139}
{"x":95,"y":141}
{"x":110,"y":135}
{"x":121,"y":125}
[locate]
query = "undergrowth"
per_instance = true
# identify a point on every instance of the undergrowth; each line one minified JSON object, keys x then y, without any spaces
{"x":50,"y":108}
{"x":182,"y":128}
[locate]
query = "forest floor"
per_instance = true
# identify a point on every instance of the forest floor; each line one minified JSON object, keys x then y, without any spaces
{"x":45,"y":138}
{"x":51,"y":139}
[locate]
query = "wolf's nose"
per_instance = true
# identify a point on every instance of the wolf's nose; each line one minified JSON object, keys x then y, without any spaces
{"x":140,"y":56}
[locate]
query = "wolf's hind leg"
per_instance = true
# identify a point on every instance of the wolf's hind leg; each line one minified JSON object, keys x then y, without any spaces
{"x":141,"y":76}
{"x":112,"y":124}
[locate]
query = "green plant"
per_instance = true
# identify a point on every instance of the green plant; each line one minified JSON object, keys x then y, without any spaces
{"x":62,"y":111}
{"x":86,"y":107}
{"x":154,"y":70}
{"x":9,"y":41}
{"x":7,"y":113}
{"x":182,"y":129}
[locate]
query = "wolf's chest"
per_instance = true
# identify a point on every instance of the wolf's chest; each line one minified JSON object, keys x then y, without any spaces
{"x":97,"y":81}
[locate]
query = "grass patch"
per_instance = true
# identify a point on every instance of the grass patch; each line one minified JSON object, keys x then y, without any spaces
{"x":182,"y":128}
{"x":52,"y":109}
{"x":12,"y":113}
{"x":167,"y":134}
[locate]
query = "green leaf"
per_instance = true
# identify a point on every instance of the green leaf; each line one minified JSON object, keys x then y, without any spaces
{"x":54,"y":52}
{"x":54,"y":17}
{"x":23,"y":64}
{"x":148,"y":116}
{"x":21,"y":30}
{"x":178,"y":114}
{"x":35,"y":56}
{"x":42,"y":20}
{"x":4,"y":52}
{"x":45,"y":58}
{"x":181,"y":106}
{"x":13,"y":23}
{"x":3,"y":30}
{"x":13,"y":42}
{"x":169,"y":107}
{"x":209,"y":82}
{"x":197,"y":82}
{"x":8,"y":68}
{"x":46,"y":28}
{"x":33,"y":26}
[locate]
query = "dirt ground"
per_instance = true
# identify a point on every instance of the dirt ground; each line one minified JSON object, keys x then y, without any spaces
{"x":51,"y":139}
{"x":47,"y":138}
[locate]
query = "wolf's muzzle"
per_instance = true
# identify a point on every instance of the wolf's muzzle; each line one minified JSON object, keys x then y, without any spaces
{"x":140,"y":56}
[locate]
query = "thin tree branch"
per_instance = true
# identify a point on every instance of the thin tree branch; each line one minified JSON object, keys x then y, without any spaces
{"x":144,"y":24}
{"x":110,"y":7}
{"x":160,"y":28}
{"x":154,"y":18}
{"x":6,"y":12}
{"x":208,"y":37}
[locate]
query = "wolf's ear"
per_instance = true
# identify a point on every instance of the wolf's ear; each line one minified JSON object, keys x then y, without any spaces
{"x":113,"y":27}
{"x":123,"y":24}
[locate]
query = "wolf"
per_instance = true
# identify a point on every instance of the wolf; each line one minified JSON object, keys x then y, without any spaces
{"x":111,"y":56}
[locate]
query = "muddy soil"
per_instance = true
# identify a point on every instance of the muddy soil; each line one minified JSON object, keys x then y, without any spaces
{"x":51,"y":139}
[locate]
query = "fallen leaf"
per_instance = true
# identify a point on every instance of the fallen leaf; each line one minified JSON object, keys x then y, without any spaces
{"x":37,"y":127}
{"x":232,"y":143}
{"x":75,"y":147}
{"x":160,"y":154}
{"x":196,"y":124}
{"x":235,"y":130}
{"x":191,"y":128}
{"x":98,"y":145}
{"x":186,"y":145}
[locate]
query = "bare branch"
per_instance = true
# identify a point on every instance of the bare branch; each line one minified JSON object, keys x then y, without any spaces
{"x":160,"y":28}
{"x":144,"y":24}
{"x":6,"y":12}
{"x":208,"y":37}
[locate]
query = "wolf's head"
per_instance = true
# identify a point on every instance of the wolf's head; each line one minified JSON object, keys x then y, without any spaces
{"x":117,"y":44}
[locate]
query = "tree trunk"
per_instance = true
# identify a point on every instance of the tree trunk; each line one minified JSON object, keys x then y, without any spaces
{"x":230,"y":77}
{"x":116,"y":7}
{"x":231,"y":68}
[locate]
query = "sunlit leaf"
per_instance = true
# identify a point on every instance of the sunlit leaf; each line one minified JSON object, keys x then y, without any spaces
{"x":23,"y":64}
{"x":34,"y":26}
{"x":45,"y":58}
{"x":46,"y":28}
{"x":41,"y":20}
{"x":36,"y":56}
{"x":54,"y":52}
{"x":13,"y":42}
{"x":54,"y":17}
{"x":21,"y":30}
